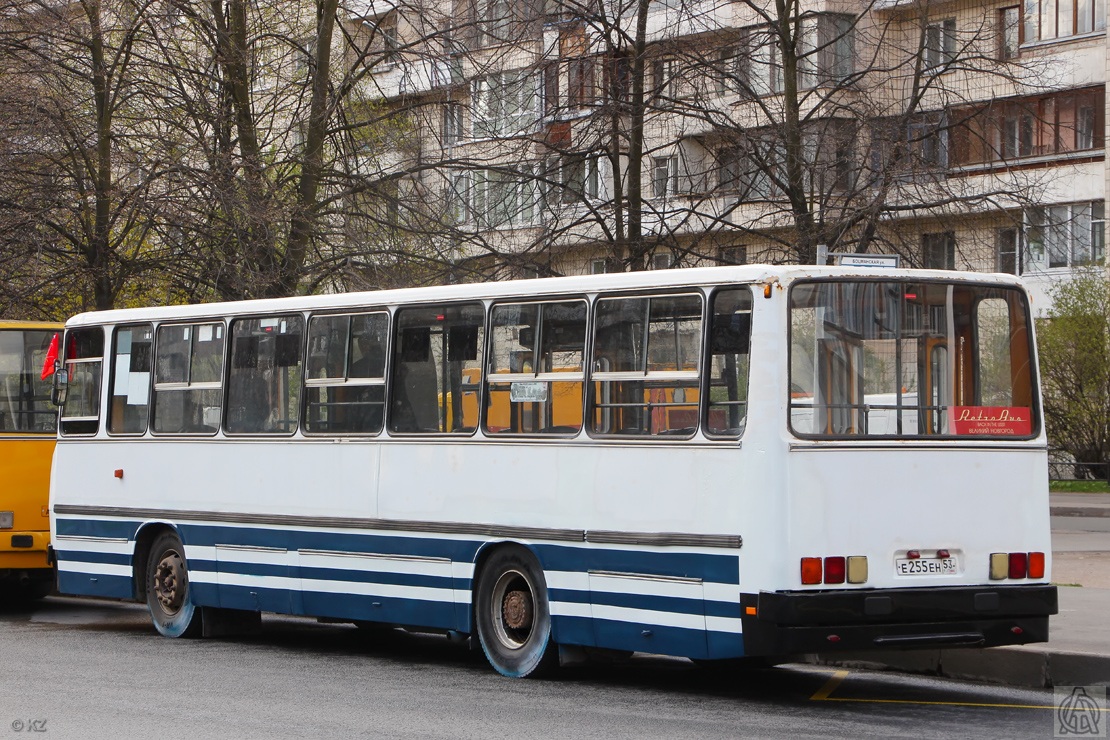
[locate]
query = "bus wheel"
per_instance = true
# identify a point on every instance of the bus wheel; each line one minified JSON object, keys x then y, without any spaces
{"x":512,"y":615}
{"x":167,"y":589}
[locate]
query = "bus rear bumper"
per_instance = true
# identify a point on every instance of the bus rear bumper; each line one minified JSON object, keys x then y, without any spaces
{"x":892,"y":619}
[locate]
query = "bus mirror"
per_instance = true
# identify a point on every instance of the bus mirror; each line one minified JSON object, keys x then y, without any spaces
{"x":59,"y":388}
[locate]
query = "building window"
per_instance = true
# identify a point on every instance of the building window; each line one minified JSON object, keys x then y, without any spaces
{"x":1009,"y":32}
{"x":730,"y":168}
{"x":580,"y":178}
{"x":664,"y":77}
{"x":1030,"y":127}
{"x":734,"y":256}
{"x":927,"y":139}
{"x":827,"y":49}
{"x":1053,"y":19}
{"x":662,"y":261}
{"x":940,"y":43}
{"x":938,"y":251}
{"x":505,"y":104}
{"x":766,"y":70}
{"x":664,"y":176}
{"x":452,"y":124}
{"x":1065,"y":236}
{"x":599,"y":267}
{"x":1009,"y":250}
{"x":506,"y":197}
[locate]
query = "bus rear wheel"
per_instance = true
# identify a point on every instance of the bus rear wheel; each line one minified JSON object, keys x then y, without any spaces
{"x":168,"y":595}
{"x":513,"y":616}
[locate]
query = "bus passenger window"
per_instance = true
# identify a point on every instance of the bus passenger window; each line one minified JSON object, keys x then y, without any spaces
{"x":188,"y":378}
{"x":24,"y":394}
{"x":264,"y":385}
{"x":729,"y":357}
{"x":536,"y":371}
{"x":84,"y":357}
{"x":131,"y":361}
{"x":646,"y":366}
{"x":437,"y":369}
{"x":345,"y":387}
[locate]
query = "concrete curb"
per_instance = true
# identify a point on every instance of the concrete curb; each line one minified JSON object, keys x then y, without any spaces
{"x":1012,"y":666}
{"x":1096,"y":511}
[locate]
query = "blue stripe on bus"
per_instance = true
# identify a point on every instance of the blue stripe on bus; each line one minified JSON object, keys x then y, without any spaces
{"x":708,"y":567}
{"x":713,"y":568}
{"x":631,"y":636}
{"x":97,"y":584}
{"x":84,"y":556}
{"x":307,"y":573}
{"x":114,"y":528}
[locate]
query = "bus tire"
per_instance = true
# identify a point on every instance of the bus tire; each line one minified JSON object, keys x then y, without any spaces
{"x":168,"y":596}
{"x":512,"y":615}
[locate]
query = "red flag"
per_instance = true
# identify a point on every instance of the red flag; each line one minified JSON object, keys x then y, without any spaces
{"x":51,"y":358}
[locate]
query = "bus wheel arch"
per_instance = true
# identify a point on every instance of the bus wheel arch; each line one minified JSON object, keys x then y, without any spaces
{"x":512,"y":612}
{"x":164,"y":584}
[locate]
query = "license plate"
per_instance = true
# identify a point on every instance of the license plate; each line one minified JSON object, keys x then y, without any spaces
{"x":925,"y":567}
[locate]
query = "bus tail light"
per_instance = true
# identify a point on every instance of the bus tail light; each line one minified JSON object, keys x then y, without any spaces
{"x":1036,"y":565}
{"x":811,"y":571}
{"x":834,"y":570}
{"x":1016,"y":565}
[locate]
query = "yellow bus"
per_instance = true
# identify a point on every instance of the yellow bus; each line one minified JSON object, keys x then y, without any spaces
{"x":28,"y":424}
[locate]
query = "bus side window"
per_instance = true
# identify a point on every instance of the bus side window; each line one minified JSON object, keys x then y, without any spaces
{"x":536,"y":370}
{"x":646,"y":365}
{"x":131,"y":362}
{"x":437,"y":369}
{"x":729,"y":362}
{"x":345,"y":387}
{"x":84,"y":358}
{"x":264,"y":385}
{"x":188,"y":378}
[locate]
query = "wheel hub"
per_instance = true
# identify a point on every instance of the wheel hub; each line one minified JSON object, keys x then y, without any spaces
{"x":516,"y":610}
{"x":167,"y":583}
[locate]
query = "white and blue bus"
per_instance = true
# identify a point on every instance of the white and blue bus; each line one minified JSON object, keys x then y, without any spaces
{"x":713,"y":463}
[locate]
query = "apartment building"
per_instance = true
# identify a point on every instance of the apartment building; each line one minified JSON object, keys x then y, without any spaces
{"x":559,"y":137}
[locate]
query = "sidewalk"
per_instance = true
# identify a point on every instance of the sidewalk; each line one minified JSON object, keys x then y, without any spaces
{"x":1078,"y":650}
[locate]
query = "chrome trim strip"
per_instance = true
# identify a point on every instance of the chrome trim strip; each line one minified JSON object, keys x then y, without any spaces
{"x":656,"y":539}
{"x":665,"y":539}
{"x":249,"y":548}
{"x":644,"y":577}
{"x":87,"y":538}
{"x":374,"y":555}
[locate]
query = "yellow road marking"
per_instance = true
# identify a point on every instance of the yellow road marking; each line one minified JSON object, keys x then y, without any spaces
{"x":835,"y":680}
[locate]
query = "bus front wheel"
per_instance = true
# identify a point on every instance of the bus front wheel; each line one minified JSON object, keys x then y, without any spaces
{"x":513,"y":616}
{"x":167,"y":589}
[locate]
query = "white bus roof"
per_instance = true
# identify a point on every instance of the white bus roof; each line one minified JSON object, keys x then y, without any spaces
{"x":540,"y":287}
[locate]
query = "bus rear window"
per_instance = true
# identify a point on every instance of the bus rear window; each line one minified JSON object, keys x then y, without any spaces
{"x":910,"y":359}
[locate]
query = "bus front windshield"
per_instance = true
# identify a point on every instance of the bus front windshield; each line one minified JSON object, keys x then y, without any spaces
{"x":892,"y":358}
{"x":24,"y":395}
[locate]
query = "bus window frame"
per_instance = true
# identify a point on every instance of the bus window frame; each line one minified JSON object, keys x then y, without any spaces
{"x":27,"y":361}
{"x":1037,"y":420}
{"x":228,"y":360}
{"x":147,"y":427}
{"x":707,"y":361}
{"x":346,"y":382}
{"x":666,"y":376}
{"x":548,"y":378}
{"x":391,"y":367}
{"x":68,"y":364}
{"x":188,"y":386}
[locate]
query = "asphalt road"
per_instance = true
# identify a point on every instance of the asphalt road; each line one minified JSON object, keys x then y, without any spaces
{"x":96,"y":669}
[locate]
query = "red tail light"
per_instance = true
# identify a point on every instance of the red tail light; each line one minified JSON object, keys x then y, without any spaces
{"x":811,"y":571}
{"x":834,"y":570}
{"x":1019,"y":564}
{"x":1036,"y":565}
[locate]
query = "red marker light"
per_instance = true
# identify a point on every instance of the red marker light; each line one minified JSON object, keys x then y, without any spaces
{"x":942,"y":554}
{"x":911,"y":296}
{"x":1018,"y":564}
{"x":834,"y":570}
{"x":913,"y":554}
